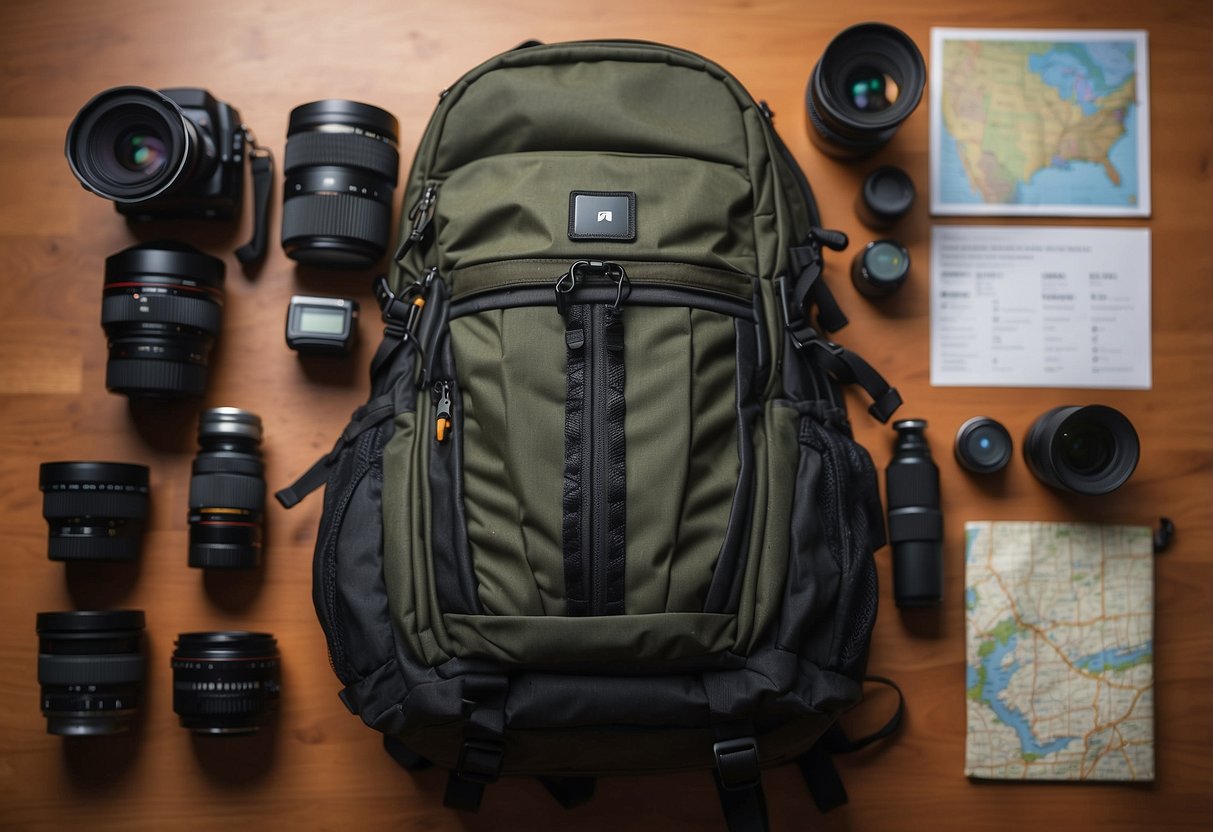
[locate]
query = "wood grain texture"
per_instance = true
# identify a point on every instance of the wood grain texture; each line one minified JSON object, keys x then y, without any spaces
{"x":320,"y":768}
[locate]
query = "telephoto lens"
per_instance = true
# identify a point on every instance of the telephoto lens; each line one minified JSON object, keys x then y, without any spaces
{"x":90,"y":669}
{"x":983,"y":446}
{"x":1087,"y":450}
{"x":867,"y":82}
{"x":161,"y":310}
{"x":94,"y":510}
{"x":915,"y":521}
{"x":225,"y":682}
{"x":341,"y":171}
{"x":227,"y":491}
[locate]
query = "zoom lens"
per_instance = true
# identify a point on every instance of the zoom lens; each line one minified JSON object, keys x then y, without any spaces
{"x":132,"y":144}
{"x":983,"y":446}
{"x":1087,"y":450}
{"x":90,"y":670}
{"x":867,"y":82}
{"x":225,"y":682}
{"x":227,"y":491}
{"x":94,"y":510}
{"x":341,"y":170}
{"x":161,"y":310}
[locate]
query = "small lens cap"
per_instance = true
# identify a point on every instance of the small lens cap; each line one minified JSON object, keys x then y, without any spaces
{"x":886,"y":197}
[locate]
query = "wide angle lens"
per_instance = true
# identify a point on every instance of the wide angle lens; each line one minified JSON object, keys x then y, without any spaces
{"x":161,"y":309}
{"x":341,"y":168}
{"x":869,"y":79}
{"x":225,"y":682}
{"x":94,"y":510}
{"x":90,"y":670}
{"x":1087,"y":450}
{"x":227,"y":491}
{"x":131,"y":144}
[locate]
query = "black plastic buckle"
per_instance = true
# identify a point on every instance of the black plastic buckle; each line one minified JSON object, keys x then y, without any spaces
{"x":737,"y":763}
{"x":480,"y":761}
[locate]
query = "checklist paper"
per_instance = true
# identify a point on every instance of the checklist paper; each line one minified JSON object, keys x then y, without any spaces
{"x":1040,"y":307}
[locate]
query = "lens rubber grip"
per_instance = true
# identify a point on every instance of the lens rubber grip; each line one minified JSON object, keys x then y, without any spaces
{"x":227,"y":491}
{"x":341,"y":150}
{"x":115,"y":669}
{"x":345,"y":216}
{"x":195,"y":312}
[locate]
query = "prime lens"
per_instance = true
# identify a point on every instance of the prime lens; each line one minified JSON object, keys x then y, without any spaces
{"x":161,"y":310}
{"x":341,"y":168}
{"x":225,"y":682}
{"x":90,"y":670}
{"x":983,"y":445}
{"x":132,"y":144}
{"x":867,"y":82}
{"x":94,"y":510}
{"x":227,"y":491}
{"x":1087,"y":450}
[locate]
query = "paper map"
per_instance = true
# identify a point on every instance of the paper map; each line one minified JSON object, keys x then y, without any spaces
{"x":1059,"y":651}
{"x":1043,"y":122}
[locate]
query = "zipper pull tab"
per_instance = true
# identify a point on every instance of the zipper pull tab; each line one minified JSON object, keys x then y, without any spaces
{"x":831,"y":239}
{"x":420,"y":216}
{"x":442,"y":419}
{"x":565,"y":284}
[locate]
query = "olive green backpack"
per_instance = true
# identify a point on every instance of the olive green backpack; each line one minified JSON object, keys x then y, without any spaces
{"x":603,"y":512}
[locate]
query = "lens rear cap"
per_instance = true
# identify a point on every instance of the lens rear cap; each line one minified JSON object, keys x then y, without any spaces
{"x":886,"y":197}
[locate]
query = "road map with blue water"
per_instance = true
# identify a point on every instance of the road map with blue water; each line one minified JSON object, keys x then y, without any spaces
{"x":1059,"y":672}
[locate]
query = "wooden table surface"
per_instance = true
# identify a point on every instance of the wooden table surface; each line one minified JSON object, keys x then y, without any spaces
{"x":320,"y":768}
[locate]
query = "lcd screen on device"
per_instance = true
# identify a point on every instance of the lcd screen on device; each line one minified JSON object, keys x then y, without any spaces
{"x":326,"y":321}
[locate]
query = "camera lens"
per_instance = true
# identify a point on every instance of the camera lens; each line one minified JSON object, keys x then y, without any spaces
{"x":1087,"y":450}
{"x":227,"y":491}
{"x":225,"y":682}
{"x":131,"y":144}
{"x":880,"y":268}
{"x":90,"y":670}
{"x":983,"y":445}
{"x":161,"y":309}
{"x":341,"y":170}
{"x":93,"y":510}
{"x":868,"y":81}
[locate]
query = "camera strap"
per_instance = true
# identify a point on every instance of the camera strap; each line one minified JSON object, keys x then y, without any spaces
{"x":263,"y":182}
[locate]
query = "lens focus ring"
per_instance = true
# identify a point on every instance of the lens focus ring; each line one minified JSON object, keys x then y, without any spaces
{"x":337,"y":215}
{"x":90,"y":670}
{"x":199,"y":313}
{"x":227,"y":491}
{"x":94,"y":504}
{"x":341,"y":150}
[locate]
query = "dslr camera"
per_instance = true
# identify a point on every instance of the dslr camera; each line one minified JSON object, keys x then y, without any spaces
{"x":169,"y":153}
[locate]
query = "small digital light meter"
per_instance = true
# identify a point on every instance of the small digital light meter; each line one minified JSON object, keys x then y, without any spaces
{"x":321,"y":326}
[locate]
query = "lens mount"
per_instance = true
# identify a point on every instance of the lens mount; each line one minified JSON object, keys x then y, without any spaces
{"x":1089,"y":450}
{"x":131,"y":144}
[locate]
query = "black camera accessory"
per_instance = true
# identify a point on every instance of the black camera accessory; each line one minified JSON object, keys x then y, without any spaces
{"x":983,"y":445}
{"x":1088,"y":450}
{"x":94,"y":510}
{"x":225,"y":682}
{"x":90,"y":670}
{"x":879,"y":268}
{"x":886,"y":197}
{"x":227,"y":491}
{"x":161,"y":309}
{"x":341,"y":169}
{"x":915,"y":521}
{"x":869,"y":79}
{"x":170,"y":153}
{"x":321,"y":326}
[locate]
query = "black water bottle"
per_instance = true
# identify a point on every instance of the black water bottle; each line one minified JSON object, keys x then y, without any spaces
{"x":915,"y":521}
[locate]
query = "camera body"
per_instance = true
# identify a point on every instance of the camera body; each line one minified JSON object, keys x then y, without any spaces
{"x":215,"y":190}
{"x":160,"y":153}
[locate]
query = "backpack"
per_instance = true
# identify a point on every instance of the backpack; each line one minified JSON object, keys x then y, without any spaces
{"x":602,"y":512}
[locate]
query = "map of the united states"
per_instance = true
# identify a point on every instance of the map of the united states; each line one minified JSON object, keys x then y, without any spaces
{"x":1039,"y":123}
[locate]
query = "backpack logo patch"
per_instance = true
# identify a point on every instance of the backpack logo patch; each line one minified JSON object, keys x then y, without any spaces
{"x":602,"y":215}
